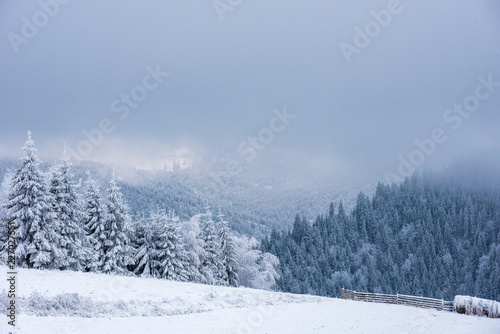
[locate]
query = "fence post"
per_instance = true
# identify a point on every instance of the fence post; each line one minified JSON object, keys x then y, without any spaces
{"x":408,"y":300}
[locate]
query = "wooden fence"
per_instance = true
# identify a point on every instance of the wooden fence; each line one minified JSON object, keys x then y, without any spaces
{"x":398,"y":299}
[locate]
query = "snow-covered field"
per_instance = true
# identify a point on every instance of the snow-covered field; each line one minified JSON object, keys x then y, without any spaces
{"x":73,"y":302}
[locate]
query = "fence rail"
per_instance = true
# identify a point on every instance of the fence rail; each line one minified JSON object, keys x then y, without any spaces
{"x":423,"y":302}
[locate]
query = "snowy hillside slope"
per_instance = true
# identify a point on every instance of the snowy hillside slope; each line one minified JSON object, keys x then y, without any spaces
{"x":74,"y":302}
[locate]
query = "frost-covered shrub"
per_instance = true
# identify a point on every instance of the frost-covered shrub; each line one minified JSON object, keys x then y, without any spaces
{"x":66,"y":304}
{"x":476,"y":306}
{"x":256,"y":269}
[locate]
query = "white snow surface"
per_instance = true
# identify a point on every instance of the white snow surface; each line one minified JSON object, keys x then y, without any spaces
{"x":74,"y":302}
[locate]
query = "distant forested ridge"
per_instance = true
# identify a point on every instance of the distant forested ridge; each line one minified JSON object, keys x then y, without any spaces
{"x":433,"y":235}
{"x":252,"y":203}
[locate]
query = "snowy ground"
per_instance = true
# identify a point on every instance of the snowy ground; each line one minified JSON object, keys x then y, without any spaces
{"x":70,"y":302}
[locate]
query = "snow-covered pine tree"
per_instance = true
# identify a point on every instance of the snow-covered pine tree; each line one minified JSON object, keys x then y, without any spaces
{"x":211,"y":266}
{"x":5,"y":187}
{"x":118,"y":253}
{"x":228,"y":253}
{"x":93,"y":220}
{"x":146,"y":236}
{"x":190,"y":232}
{"x":69,"y":214}
{"x":172,"y":256}
{"x":30,"y":211}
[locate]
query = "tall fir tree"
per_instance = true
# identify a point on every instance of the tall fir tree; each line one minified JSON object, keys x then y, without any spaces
{"x":190,"y":232}
{"x":94,"y":220}
{"x":172,"y":256}
{"x":146,"y":235}
{"x":211,"y":265}
{"x":228,"y":253}
{"x":118,"y":253}
{"x":31,"y":215}
{"x":5,"y":188}
{"x":69,"y":214}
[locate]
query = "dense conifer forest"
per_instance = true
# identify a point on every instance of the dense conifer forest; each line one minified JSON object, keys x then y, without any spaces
{"x":436,"y":235}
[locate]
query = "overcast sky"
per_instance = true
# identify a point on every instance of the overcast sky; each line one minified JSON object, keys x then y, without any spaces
{"x":228,"y":69}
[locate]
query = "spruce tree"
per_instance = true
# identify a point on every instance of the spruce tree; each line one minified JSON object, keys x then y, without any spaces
{"x":118,"y":253}
{"x":172,"y":256}
{"x":94,"y":221}
{"x":190,"y":232}
{"x":228,"y":252}
{"x":211,"y":266}
{"x":146,"y":236}
{"x":30,"y":213}
{"x":5,"y":188}
{"x":69,"y":214}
